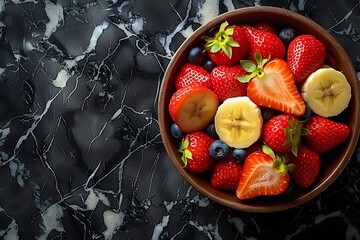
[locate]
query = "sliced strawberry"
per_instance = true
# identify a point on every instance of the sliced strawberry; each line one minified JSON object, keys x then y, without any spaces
{"x":226,"y":174}
{"x":225,"y":83}
{"x":264,"y":42}
{"x":263,"y":174}
{"x":192,"y":74}
{"x":228,"y":46}
{"x":273,"y":86}
{"x":307,"y":166}
{"x":305,"y":55}
{"x":324,"y":134}
{"x":193,"y":108}
{"x":195,"y":152}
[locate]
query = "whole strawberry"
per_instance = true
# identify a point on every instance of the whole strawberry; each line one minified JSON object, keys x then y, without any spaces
{"x":307,"y":165}
{"x":195,"y":152}
{"x":324,"y":134}
{"x":228,"y":46}
{"x":305,"y":55}
{"x":192,"y":74}
{"x":225,"y":83}
{"x":265,"y":26}
{"x":282,"y":133}
{"x":226,"y":174}
{"x":264,"y":42}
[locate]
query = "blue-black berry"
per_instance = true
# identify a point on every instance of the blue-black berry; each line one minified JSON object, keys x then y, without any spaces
{"x":287,"y":34}
{"x":176,"y":131}
{"x":239,"y":155}
{"x":219,"y":149}
{"x":196,"y":56}
{"x":210,"y":130}
{"x":209,"y":65}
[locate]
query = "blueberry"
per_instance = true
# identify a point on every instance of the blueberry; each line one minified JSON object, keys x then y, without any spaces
{"x":211,"y":131}
{"x":197,"y":56}
{"x":307,"y":113}
{"x":239,"y":155}
{"x":287,"y":34}
{"x":209,"y":65}
{"x":268,"y":113}
{"x":176,"y":131}
{"x":219,"y":149}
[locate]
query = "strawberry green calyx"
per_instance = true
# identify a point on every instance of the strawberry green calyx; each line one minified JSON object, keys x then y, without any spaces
{"x":185,"y":153}
{"x":255,"y":69}
{"x":281,"y":162}
{"x":294,"y":133}
{"x":222,"y":40}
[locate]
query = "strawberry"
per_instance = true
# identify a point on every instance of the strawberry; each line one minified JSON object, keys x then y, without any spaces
{"x":282,"y":133}
{"x":265,"y":26}
{"x":324,"y":134}
{"x":193,"y":108}
{"x":264,"y":42}
{"x":272,"y":85}
{"x":195,"y":152}
{"x":228,"y":46}
{"x":263,"y":173}
{"x":224,"y":81}
{"x":307,"y":166}
{"x":192,"y":74}
{"x":226,"y":174}
{"x":305,"y":55}
{"x":330,"y":60}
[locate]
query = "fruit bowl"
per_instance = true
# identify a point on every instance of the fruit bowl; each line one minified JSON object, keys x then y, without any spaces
{"x":333,"y":162}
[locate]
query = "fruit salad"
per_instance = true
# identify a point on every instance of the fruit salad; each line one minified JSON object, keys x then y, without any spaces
{"x":255,"y":109}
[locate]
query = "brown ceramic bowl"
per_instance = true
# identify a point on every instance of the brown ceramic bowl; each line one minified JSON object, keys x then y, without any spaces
{"x":333,"y":163}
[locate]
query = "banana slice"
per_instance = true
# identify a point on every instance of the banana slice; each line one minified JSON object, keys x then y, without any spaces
{"x":238,"y":122}
{"x":327,"y":92}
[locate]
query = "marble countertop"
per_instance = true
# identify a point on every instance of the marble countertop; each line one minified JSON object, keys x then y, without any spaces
{"x":81,"y":156}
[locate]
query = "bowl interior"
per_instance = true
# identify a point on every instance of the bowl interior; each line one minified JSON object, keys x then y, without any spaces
{"x":332,"y":163}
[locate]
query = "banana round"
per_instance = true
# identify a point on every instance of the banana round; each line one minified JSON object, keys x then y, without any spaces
{"x":238,"y":122}
{"x":327,"y":92}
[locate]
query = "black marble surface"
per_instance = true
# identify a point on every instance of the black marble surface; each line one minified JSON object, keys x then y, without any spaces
{"x":81,"y":156}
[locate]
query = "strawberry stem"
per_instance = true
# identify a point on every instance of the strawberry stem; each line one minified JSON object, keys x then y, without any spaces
{"x":281,"y":164}
{"x":222,"y":40}
{"x":255,"y":69}
{"x":185,"y":153}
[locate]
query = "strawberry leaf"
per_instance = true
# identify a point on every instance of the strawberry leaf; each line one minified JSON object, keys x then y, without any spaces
{"x":222,"y":40}
{"x":185,"y":153}
{"x":245,"y":78}
{"x":280,"y":161}
{"x":248,"y":66}
{"x":293,"y":133}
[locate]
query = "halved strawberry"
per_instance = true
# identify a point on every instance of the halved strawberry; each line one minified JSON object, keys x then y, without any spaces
{"x":195,"y":152}
{"x":305,"y":55}
{"x":224,"y":81}
{"x":263,"y":174}
{"x":273,"y":85}
{"x":264,"y":42}
{"x":228,"y":46}
{"x":192,"y":108}
{"x":192,"y":74}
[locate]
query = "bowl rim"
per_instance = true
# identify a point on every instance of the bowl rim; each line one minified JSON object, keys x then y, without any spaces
{"x":193,"y":180}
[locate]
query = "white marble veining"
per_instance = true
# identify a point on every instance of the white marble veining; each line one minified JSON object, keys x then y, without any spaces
{"x":79,"y":136}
